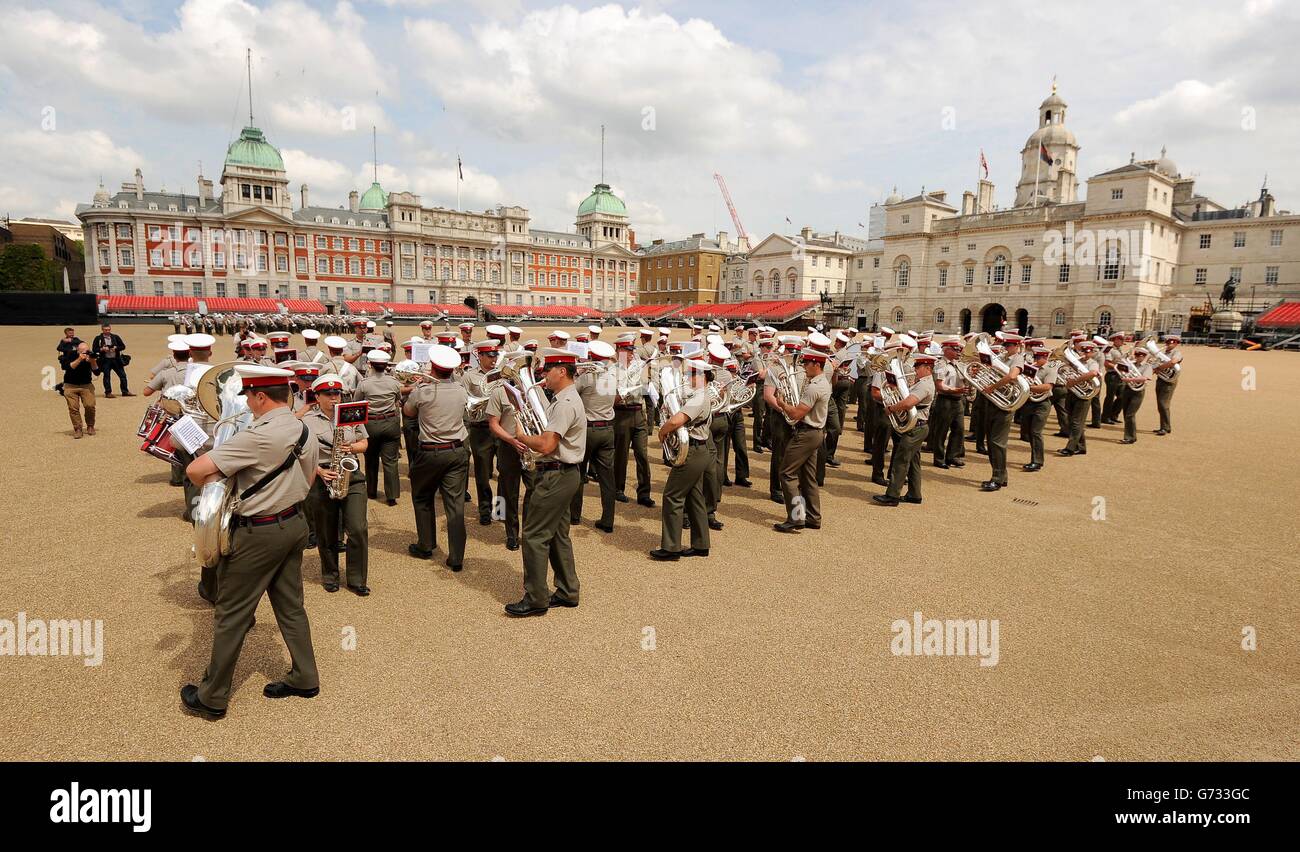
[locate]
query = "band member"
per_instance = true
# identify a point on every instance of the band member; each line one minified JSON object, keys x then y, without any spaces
{"x":629,"y":421}
{"x":1098,"y":359}
{"x":340,"y":365}
{"x":503,"y":423}
{"x":466,"y":334}
{"x":719,"y":428}
{"x":305,"y":375}
{"x":327,"y":512}
{"x":278,"y":339}
{"x":562,"y":448}
{"x":905,"y":465}
{"x":1041,"y":375}
{"x":165,"y":364}
{"x":1061,"y":399}
{"x":426,"y":331}
{"x":311,"y":350}
{"x":841,"y":387}
{"x":997,"y":420}
{"x":172,"y":375}
{"x":354,"y":351}
{"x":1134,"y":390}
{"x":778,"y":430}
{"x":758,"y":363}
{"x":879,"y":436}
{"x":1078,"y":443}
{"x":442,"y":463}
{"x":258,"y":352}
{"x":384,"y":429}
{"x":683,"y":495}
{"x":1167,"y":381}
{"x":799,"y":457}
{"x":482,"y":445}
{"x":1112,"y":355}
{"x":646,"y":349}
{"x":598,"y":391}
{"x":735,"y":440}
{"x":271,"y":465}
{"x":947,"y":430}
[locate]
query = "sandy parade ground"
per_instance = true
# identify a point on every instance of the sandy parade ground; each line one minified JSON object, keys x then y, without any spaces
{"x":1124,"y":585}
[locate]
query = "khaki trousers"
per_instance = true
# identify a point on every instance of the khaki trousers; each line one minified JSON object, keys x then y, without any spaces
{"x":1164,"y":404}
{"x":264,"y":559}
{"x":446,"y":473}
{"x":599,"y":459}
{"x":546,"y":536}
{"x":630,"y":432}
{"x":1130,"y":402}
{"x":482,"y":446}
{"x":383,"y":446}
{"x":905,"y":465}
{"x":799,"y":476}
{"x":998,"y":423}
{"x":326,"y":513}
{"x":684,"y":496}
{"x":78,"y":397}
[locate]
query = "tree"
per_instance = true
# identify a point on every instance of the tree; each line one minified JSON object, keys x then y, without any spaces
{"x":25,"y":267}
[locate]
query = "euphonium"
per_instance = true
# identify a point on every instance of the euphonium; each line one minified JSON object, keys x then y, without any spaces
{"x":894,"y":389}
{"x":1161,"y":362}
{"x":408,"y":372}
{"x":1072,"y":367}
{"x":218,"y":394}
{"x":532,"y":413}
{"x":678,"y":443}
{"x":989,"y":370}
{"x":1030,"y":372}
{"x":787,"y":386}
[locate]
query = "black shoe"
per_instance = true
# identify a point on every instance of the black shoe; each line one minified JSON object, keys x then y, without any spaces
{"x":419,"y":552}
{"x":1060,"y":434}
{"x":809,"y":525}
{"x":664,"y":555}
{"x":280,"y":689}
{"x":311,"y":539}
{"x":455,"y":567}
{"x":620,"y":498}
{"x":941,"y":465}
{"x":969,"y":438}
{"x":467,"y":497}
{"x":715,"y":525}
{"x":1128,"y":441}
{"x":359,"y":591}
{"x":521,"y":609}
{"x":743,"y":483}
{"x":686,"y":523}
{"x":990,"y":485}
{"x":512,"y":544}
{"x":392,"y":502}
{"x":758,"y":450}
{"x":1160,"y":432}
{"x":603,"y":528}
{"x":575,"y":522}
{"x":205,"y":597}
{"x":487,"y":522}
{"x":1094,"y":425}
{"x":1032,"y":467}
{"x":880,"y":480}
{"x":884,"y":499}
{"x":787,"y":527}
{"x":958,"y":463}
{"x":1080,"y":452}
{"x":331,"y":587}
{"x":916,"y":501}
{"x":832,"y":463}
{"x":648,"y":502}
{"x":982,"y":451}
{"x":728,"y":483}
{"x":776,"y":498}
{"x":370,"y":496}
{"x":190,"y":700}
{"x":1065,"y":452}
{"x":695,"y":551}
{"x":556,"y":600}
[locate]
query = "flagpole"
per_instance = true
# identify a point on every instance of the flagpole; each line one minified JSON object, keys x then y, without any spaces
{"x":458,"y":180}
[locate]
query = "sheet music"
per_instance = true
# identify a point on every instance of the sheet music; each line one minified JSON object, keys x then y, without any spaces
{"x":188,"y":434}
{"x":420,"y":351}
{"x":578,"y":348}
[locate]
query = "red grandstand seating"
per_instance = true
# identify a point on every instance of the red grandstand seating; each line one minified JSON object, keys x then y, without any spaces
{"x":1285,"y":315}
{"x":546,"y":312}
{"x":304,"y":306}
{"x":648,"y":312}
{"x":151,"y":304}
{"x":363,"y":307}
{"x":405,"y":309}
{"x":225,"y":304}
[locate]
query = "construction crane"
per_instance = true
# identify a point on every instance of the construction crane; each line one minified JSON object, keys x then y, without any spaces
{"x":735,"y":217}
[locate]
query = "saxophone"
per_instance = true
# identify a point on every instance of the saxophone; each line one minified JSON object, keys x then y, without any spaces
{"x":344,"y":464}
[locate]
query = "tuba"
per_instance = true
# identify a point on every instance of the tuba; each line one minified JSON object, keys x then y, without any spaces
{"x":217,"y":393}
{"x":1030,"y":372}
{"x":678,"y":443}
{"x":787,"y":386}
{"x":1161,"y":361}
{"x":1072,"y":367}
{"x":894,"y":389}
{"x":981,"y":369}
{"x":532,"y":412}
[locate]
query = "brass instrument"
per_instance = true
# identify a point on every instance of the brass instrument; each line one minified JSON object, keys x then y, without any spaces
{"x":1161,"y":361}
{"x":741,"y":390}
{"x":409,"y":372}
{"x":1072,"y":367}
{"x":717,"y":391}
{"x":344,"y":464}
{"x":217,"y":393}
{"x":787,"y":386}
{"x":1030,"y":372}
{"x":895,"y":391}
{"x":532,"y":414}
{"x":678,"y":443}
{"x":982,"y":369}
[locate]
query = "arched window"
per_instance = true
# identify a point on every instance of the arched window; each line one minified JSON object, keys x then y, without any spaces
{"x":1058,"y":318}
{"x":1104,"y":318}
{"x":904,"y":272}
{"x":1144,"y":319}
{"x":898,"y":316}
{"x":938,"y":317}
{"x":997,"y":273}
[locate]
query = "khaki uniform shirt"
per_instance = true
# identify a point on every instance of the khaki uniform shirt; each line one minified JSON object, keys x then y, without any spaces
{"x":500,"y":406}
{"x":646,"y":351}
{"x":923,"y":390}
{"x":566,"y":417}
{"x":321,"y":428}
{"x":511,"y":346}
{"x":1175,"y":356}
{"x":945,"y":373}
{"x":475,"y":382}
{"x":168,"y":377}
{"x":699,"y":412}
{"x":164,"y":364}
{"x":383,"y":392}
{"x":597,"y":393}
{"x":440,"y":408}
{"x":817,"y":393}
{"x":631,"y":377}
{"x":1044,"y":375}
{"x":254,"y":452}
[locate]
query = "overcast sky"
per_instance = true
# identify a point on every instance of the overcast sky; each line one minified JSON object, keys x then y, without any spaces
{"x":811,"y":111}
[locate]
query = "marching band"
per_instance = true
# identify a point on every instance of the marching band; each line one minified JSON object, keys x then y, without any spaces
{"x":542,"y":420}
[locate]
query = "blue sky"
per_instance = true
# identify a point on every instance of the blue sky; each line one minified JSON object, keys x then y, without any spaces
{"x":812,"y":112}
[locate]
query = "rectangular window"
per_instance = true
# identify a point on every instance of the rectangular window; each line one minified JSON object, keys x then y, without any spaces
{"x":386,"y":269}
{"x":1270,"y":274}
{"x":354,"y":266}
{"x":338,"y":243}
{"x":338,"y":266}
{"x":1205,"y":241}
{"x":262,"y":291}
{"x":282,"y":263}
{"x":943,"y":276}
{"x":1238,"y":239}
{"x":301,"y":266}
{"x":1201,"y":274}
{"x":129,"y":287}
{"x":1235,"y":274}
{"x":970,"y":276}
{"x":300,"y":240}
{"x":320,"y":241}
{"x":219,"y":260}
{"x":126,"y":258}
{"x":1275,"y":238}
{"x":242,"y":289}
{"x":1026,"y":273}
{"x":155,"y":257}
{"x":157,"y":288}
{"x":324,"y":294}
{"x":1116,"y":194}
{"x":155,"y":232}
{"x":322,"y":265}
{"x":261,"y":262}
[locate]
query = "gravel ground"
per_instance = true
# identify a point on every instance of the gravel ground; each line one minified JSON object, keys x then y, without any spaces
{"x":1119,"y":638}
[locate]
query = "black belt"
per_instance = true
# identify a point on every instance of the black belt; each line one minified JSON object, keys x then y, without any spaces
{"x":478,"y":425}
{"x":628,"y":408}
{"x":554,"y":465}
{"x":383,"y":416}
{"x":443,"y":445}
{"x":263,"y":520}
{"x":721,"y":414}
{"x":697,"y":443}
{"x":806,"y":426}
{"x":599,"y":424}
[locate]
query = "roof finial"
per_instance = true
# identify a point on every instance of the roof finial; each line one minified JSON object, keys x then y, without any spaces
{"x":1053,"y":84}
{"x":1162,"y":151}
{"x":248,"y":59}
{"x":1132,"y":157}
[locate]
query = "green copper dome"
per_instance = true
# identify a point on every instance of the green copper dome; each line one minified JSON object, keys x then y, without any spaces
{"x":602,"y":200}
{"x":374,"y":198}
{"x":252,"y":149}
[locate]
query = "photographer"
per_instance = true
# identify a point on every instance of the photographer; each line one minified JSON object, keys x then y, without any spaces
{"x":109,"y":349}
{"x":79,"y":366}
{"x":67,"y":345}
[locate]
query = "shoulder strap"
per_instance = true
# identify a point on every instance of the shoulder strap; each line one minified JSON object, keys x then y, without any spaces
{"x":284,"y":465}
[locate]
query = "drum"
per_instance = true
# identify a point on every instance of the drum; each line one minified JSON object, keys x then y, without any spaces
{"x":152,"y":415}
{"x":157,"y":438}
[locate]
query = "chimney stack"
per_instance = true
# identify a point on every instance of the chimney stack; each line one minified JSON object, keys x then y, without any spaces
{"x":806,"y":232}
{"x":354,"y":201}
{"x":724,"y":240}
{"x":967,"y":203}
{"x":303,"y":190}
{"x":139,"y":185}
